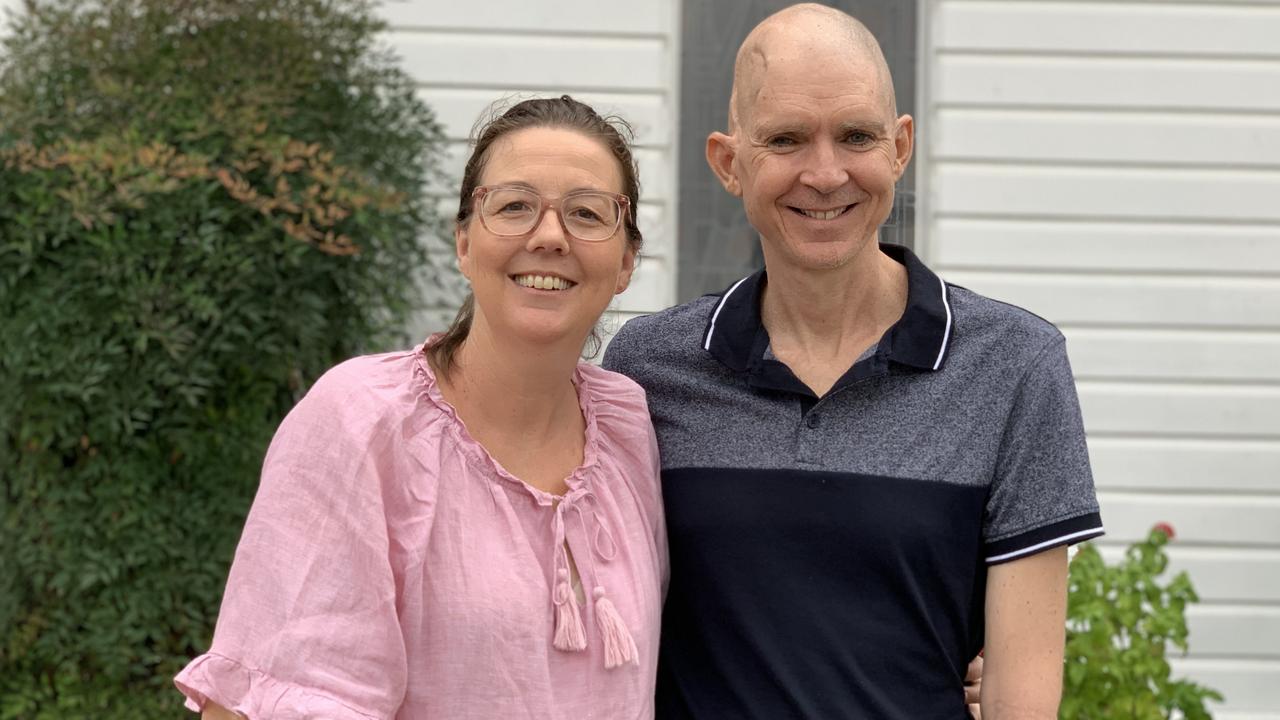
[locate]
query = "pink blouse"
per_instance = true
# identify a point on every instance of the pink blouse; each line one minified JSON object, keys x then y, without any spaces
{"x":390,"y":568}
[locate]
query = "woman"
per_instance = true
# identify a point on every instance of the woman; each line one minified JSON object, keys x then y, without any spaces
{"x":472,"y":529}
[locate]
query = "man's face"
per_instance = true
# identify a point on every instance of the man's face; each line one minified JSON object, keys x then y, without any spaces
{"x":816,"y":155}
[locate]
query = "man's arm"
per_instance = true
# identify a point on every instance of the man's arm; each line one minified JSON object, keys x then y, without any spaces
{"x":1026,"y":620}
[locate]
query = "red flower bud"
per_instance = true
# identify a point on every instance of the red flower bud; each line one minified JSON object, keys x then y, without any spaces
{"x":1165,"y":528}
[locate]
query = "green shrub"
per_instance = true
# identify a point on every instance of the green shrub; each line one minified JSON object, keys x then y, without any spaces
{"x":1120,"y":621}
{"x":203,"y":205}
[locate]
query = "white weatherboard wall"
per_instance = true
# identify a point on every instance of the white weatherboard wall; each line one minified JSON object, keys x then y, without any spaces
{"x":620,"y":57}
{"x":1115,"y":167}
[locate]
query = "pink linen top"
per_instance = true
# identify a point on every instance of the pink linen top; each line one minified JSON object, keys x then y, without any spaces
{"x":390,"y":568}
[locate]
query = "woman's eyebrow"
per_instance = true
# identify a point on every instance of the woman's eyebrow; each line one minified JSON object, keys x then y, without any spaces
{"x":522,"y":185}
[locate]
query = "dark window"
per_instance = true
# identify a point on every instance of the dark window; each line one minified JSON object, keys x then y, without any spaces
{"x":717,"y":246}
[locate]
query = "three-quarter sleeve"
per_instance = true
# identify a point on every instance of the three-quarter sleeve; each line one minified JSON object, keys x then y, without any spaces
{"x":308,"y":626}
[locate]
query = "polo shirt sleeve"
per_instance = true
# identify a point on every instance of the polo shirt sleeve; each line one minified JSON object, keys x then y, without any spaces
{"x":619,"y":355}
{"x":1042,"y":495}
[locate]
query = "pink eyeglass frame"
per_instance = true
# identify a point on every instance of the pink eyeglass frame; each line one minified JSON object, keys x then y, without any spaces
{"x":553,"y":203}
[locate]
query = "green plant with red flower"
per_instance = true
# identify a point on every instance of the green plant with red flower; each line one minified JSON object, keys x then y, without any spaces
{"x":1121,"y":620}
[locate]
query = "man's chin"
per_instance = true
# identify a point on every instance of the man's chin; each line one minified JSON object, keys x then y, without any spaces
{"x":818,"y":254}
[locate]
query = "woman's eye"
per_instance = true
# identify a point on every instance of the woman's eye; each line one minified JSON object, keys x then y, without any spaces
{"x":586,"y":214}
{"x":515,"y":206}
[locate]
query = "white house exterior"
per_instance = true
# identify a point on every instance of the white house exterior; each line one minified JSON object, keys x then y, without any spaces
{"x":1115,"y":167}
{"x":1112,"y":166}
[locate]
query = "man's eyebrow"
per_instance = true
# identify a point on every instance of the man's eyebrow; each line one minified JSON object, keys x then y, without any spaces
{"x":875,"y":127}
{"x":770,"y":129}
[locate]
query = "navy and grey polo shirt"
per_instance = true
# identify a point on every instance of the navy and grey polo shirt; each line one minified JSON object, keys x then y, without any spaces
{"x":829,"y":555}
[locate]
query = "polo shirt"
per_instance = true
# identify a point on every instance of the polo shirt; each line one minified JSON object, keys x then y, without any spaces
{"x":829,"y":554}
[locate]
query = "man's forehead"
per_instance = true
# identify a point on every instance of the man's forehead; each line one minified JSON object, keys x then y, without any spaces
{"x":842,"y":92}
{"x":807,"y":44}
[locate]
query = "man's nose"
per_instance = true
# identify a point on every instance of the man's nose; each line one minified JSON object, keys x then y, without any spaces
{"x":549,"y":233}
{"x":824,"y":172}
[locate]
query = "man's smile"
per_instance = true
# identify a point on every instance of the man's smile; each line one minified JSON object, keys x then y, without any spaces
{"x":822,"y":214}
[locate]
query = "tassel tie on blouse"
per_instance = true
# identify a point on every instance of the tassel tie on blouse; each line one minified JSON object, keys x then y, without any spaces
{"x":570,"y":635}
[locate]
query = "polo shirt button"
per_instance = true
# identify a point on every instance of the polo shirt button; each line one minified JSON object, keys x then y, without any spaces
{"x":812,"y":420}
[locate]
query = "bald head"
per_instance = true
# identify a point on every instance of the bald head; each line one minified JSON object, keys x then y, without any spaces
{"x":804,"y":30}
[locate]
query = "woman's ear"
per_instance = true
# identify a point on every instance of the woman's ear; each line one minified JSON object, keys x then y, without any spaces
{"x":625,"y":272}
{"x":462,"y":247}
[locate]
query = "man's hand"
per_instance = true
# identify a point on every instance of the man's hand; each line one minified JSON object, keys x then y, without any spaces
{"x":973,"y":687}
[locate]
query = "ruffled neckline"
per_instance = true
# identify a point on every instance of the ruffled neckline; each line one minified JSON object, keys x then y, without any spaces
{"x":476,"y":453}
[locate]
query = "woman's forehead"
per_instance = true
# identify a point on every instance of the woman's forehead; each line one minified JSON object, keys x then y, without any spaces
{"x":551,"y":154}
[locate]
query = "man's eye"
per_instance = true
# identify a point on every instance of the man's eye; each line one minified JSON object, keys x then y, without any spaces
{"x":859,"y":138}
{"x":781,"y":141}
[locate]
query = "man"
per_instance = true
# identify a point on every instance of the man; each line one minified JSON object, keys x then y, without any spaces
{"x":869,"y":475}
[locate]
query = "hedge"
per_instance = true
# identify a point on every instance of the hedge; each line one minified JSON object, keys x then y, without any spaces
{"x":203,"y":205}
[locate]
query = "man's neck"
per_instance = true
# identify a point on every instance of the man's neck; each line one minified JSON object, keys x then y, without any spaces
{"x":819,"y":322}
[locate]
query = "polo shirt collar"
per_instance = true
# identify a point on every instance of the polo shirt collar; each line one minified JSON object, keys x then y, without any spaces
{"x":736,"y":337}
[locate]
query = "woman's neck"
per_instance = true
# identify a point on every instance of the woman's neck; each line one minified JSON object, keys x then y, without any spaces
{"x":505,"y":388}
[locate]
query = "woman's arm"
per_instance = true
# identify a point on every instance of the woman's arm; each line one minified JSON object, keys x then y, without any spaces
{"x":214,"y":711}
{"x":1026,"y":619}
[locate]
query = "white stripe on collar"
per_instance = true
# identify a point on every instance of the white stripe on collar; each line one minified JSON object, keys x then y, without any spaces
{"x":946,"y":335}
{"x":706,"y":345}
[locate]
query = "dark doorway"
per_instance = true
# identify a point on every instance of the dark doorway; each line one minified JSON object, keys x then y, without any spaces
{"x":717,"y":246}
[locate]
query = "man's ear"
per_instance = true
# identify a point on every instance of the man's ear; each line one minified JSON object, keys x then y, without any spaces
{"x":721,"y":151}
{"x":624,"y":274}
{"x":904,"y":139}
{"x":462,"y":247}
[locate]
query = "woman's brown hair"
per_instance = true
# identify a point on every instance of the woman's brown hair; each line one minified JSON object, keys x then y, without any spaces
{"x":562,"y":112}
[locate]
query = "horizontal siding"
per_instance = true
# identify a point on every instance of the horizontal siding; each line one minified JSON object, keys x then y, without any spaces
{"x":1107,"y":138}
{"x":1156,"y":301}
{"x":619,"y":57}
{"x":1116,"y":83}
{"x":1108,"y":247}
{"x":1236,"y":519}
{"x":1185,"y":465}
{"x":1099,"y":353}
{"x":1114,"y":167}
{"x":1181,"y":409}
{"x":486,"y":60}
{"x":1198,"y":195}
{"x":1224,"y":577}
{"x":1100,"y":28}
{"x":560,"y":17}
{"x":1212,"y":627}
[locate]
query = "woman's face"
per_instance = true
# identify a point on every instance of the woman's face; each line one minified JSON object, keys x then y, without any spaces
{"x":580,"y":278}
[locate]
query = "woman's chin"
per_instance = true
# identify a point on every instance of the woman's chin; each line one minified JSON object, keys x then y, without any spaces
{"x":547,"y":333}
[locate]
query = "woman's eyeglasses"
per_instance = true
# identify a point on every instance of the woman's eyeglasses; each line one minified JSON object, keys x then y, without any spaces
{"x":588,"y":215}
